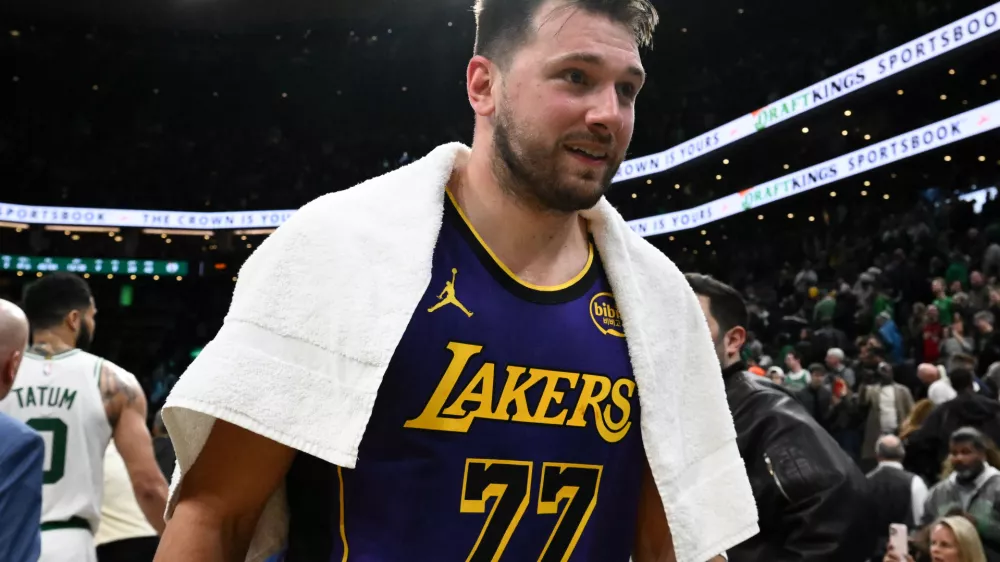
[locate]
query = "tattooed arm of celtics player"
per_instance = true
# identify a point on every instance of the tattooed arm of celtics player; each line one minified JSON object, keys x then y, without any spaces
{"x":125,"y":405}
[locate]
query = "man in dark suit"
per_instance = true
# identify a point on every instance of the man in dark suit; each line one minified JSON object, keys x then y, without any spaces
{"x":898,"y":496}
{"x":22,"y":452}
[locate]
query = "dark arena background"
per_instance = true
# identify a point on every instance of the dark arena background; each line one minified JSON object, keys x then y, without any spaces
{"x":802,"y":152}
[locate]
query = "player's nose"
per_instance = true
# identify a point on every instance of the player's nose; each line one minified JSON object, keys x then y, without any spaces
{"x":606,"y":113}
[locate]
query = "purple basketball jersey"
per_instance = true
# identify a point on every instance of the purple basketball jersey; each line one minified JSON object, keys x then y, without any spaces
{"x":506,"y":428}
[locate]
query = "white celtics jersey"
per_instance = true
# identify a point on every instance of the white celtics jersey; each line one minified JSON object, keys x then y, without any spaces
{"x":60,"y":398}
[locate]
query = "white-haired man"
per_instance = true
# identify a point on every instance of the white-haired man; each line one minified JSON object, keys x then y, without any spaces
{"x":898,"y":495}
{"x":835,"y":362}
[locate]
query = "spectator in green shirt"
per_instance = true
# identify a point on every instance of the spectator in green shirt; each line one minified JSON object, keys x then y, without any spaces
{"x":958,"y":270}
{"x":883,"y":303}
{"x":825,"y":309}
{"x":941,"y":300}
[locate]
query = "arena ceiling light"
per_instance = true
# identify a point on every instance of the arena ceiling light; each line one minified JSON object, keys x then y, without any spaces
{"x":909,"y":55}
{"x":979,"y":198}
{"x":177,"y":232}
{"x":110,"y":229}
{"x":900,"y":147}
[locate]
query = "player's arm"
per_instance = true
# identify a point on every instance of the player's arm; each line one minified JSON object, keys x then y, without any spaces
{"x":223,"y":496}
{"x":653,"y":541}
{"x":125,"y":403}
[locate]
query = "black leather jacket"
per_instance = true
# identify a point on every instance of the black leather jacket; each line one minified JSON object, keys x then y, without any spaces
{"x":812,"y":499}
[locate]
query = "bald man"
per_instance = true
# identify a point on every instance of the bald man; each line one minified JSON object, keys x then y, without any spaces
{"x":13,"y":342}
{"x":927,"y":373}
{"x":898,"y":495}
{"x":938,"y":389}
{"x":22,"y":451}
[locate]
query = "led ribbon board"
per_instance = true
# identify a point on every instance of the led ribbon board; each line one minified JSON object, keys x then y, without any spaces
{"x":906,"y":56}
{"x":940,"y":41}
{"x":920,"y":140}
{"x":81,"y":216}
{"x":92,"y":265}
{"x":944,"y":132}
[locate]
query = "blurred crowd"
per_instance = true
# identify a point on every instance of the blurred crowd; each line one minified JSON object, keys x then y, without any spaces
{"x":894,"y":333}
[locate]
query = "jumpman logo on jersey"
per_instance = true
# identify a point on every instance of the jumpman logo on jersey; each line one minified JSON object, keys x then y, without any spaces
{"x":447,"y":296}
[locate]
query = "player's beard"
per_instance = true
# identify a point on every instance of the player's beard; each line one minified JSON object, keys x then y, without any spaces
{"x":530,"y":171}
{"x":84,"y":337}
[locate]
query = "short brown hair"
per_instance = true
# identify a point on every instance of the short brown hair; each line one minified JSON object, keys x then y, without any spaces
{"x":724,"y":302}
{"x":503,"y":25}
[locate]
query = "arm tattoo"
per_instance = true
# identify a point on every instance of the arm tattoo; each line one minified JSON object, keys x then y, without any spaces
{"x":116,"y":394}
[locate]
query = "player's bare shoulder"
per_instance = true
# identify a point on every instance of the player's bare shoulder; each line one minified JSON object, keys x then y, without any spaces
{"x":120,"y":390}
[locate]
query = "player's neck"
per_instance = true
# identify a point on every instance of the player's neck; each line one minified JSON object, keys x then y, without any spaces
{"x":540,"y":247}
{"x":730,"y":360}
{"x":49,"y":342}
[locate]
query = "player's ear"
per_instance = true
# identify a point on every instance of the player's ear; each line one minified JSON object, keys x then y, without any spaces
{"x":735,"y":338}
{"x":73,"y":320}
{"x":481,"y":78}
{"x":13,"y":364}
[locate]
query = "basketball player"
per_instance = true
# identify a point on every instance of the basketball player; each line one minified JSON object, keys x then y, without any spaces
{"x":78,"y":402}
{"x":506,"y":426}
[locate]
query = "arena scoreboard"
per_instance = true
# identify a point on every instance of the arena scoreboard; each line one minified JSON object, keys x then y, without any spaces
{"x":92,"y":265}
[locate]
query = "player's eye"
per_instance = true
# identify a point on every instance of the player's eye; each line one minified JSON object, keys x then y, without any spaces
{"x":576,"y":76}
{"x":627,"y":90}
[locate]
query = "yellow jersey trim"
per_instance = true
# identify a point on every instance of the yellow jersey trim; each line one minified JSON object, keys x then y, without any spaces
{"x":511,"y":274}
{"x":343,"y":527}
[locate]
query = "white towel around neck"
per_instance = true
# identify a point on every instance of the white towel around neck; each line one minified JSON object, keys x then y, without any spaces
{"x":321,"y":305}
